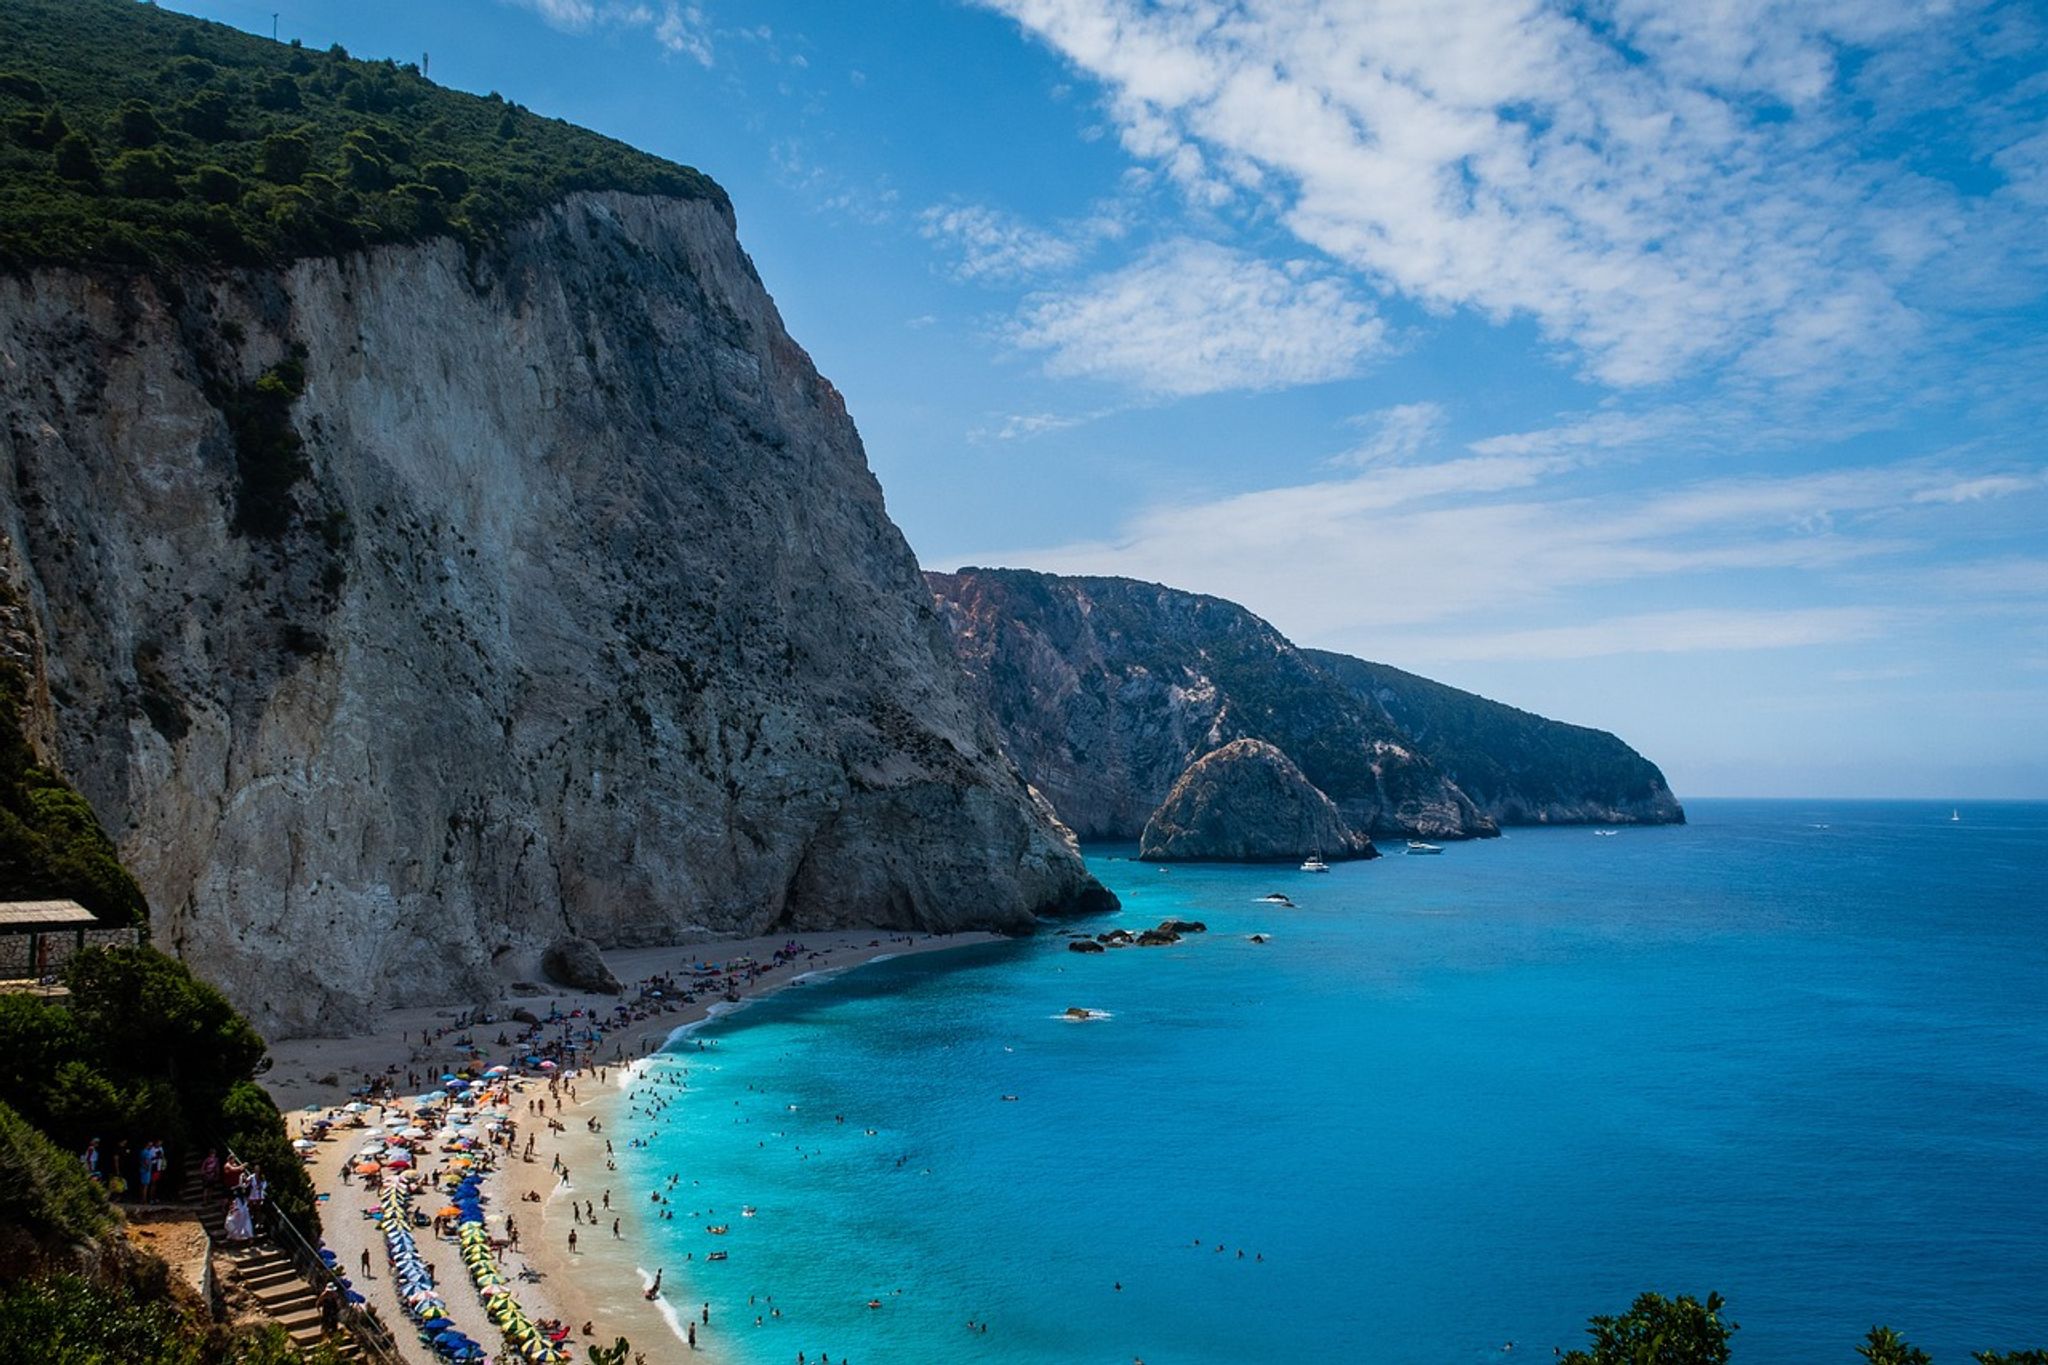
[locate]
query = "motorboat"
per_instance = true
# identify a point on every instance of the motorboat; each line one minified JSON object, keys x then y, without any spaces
{"x":1417,"y":846}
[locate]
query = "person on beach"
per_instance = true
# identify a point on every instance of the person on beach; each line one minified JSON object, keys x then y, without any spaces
{"x":572,"y":1241}
{"x":654,"y":1290}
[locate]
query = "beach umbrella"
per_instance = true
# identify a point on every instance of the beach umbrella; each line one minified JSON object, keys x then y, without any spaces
{"x":397,"y":1161}
{"x":450,"y":1211}
{"x":304,"y":1144}
{"x":368,"y":1168}
{"x":547,"y":1066}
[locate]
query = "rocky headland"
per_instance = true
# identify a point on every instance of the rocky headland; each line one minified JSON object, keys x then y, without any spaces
{"x":1105,"y":690}
{"x":1108,"y":692}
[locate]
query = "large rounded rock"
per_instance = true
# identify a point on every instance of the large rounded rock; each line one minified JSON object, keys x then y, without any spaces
{"x":576,"y":963}
{"x":1247,"y":803}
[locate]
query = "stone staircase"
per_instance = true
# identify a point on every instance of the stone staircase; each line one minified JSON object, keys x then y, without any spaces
{"x":265,"y":1276}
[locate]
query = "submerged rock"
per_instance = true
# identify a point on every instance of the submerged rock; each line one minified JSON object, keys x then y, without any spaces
{"x":1085,"y":945}
{"x":1248,"y":802}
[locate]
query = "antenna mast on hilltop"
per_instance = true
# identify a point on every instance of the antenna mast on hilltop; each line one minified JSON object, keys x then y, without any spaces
{"x":426,"y":62}
{"x":273,"y":26}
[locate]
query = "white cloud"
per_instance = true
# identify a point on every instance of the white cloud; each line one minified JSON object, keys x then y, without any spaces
{"x":1982,"y":488}
{"x":1191,"y":317}
{"x":991,"y":245}
{"x":1604,"y":173}
{"x":1663,"y":632}
{"x":1491,"y":539}
{"x":1396,"y":434}
{"x":1022,"y":426}
{"x":676,"y":27}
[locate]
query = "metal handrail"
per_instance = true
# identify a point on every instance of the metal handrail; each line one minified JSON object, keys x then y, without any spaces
{"x":361,"y":1320}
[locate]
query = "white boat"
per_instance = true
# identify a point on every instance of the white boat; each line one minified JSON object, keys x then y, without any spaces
{"x":1955,"y":816}
{"x":1417,"y":846}
{"x":1314,"y":863}
{"x":1606,"y":833}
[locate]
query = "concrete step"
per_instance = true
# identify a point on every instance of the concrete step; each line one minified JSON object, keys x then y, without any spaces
{"x":279,"y":1297}
{"x":268,"y":1273}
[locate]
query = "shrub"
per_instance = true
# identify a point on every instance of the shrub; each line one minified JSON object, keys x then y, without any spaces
{"x":145,"y":174}
{"x":219,"y":185}
{"x":76,"y":159}
{"x":286,"y":157}
{"x":136,"y":125}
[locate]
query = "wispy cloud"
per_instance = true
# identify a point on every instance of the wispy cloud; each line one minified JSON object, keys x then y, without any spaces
{"x":675,"y":27}
{"x":1022,"y":426}
{"x":1395,"y":434}
{"x":1190,"y":317}
{"x":988,"y":244}
{"x":1661,"y":185}
{"x":1483,"y":540}
{"x":1664,"y":632}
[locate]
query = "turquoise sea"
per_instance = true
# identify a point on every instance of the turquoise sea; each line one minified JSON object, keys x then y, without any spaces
{"x":1795,"y":1051}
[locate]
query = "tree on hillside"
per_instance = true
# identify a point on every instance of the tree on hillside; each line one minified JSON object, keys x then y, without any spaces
{"x":1659,"y":1331}
{"x":1885,"y":1347}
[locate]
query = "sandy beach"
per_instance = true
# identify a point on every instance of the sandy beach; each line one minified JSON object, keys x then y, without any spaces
{"x":602,"y":1282}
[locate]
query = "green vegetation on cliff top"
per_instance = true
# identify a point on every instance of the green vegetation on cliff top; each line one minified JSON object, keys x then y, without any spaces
{"x":130,"y":135}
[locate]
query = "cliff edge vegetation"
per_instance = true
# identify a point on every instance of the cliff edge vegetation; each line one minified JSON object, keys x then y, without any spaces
{"x":51,"y":843}
{"x":131,"y":135}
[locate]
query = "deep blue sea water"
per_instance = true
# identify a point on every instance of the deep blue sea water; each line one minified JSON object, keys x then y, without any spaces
{"x":1796,"y":1051}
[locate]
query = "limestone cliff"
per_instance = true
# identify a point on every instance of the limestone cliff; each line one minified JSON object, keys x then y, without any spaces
{"x":1106,"y":689}
{"x":1521,"y":769}
{"x":1247,"y":803}
{"x":403,"y":610}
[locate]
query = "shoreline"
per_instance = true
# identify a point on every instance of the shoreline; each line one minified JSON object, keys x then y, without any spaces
{"x":602,"y":1282}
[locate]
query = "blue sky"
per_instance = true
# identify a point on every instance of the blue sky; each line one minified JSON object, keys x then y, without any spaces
{"x":1674,"y":366}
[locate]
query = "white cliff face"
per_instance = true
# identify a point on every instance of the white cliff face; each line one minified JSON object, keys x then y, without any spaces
{"x":588,"y":617}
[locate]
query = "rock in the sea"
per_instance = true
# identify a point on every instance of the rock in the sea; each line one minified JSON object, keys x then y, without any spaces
{"x":1157,"y":938}
{"x":1182,"y":926}
{"x":1085,"y":945}
{"x":577,"y":963}
{"x":1247,"y":802}
{"x":1115,"y":938}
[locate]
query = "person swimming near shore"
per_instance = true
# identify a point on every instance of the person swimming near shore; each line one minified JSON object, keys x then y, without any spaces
{"x":653,"y":1291}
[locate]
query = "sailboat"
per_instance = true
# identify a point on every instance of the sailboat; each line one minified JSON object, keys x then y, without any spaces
{"x":1314,"y":863}
{"x":1955,"y":816}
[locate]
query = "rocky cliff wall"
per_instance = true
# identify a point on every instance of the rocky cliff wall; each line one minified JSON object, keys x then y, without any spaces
{"x":400,"y":612}
{"x":1106,"y":689}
